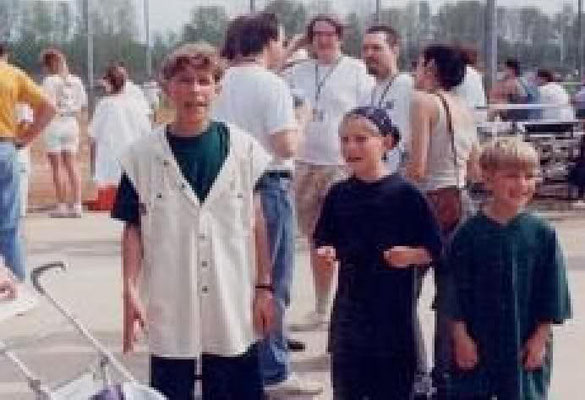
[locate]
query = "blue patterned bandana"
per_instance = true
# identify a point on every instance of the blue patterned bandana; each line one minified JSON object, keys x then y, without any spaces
{"x":379,"y":117}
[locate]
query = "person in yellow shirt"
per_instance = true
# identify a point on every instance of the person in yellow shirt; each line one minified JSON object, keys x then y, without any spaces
{"x":16,"y":87}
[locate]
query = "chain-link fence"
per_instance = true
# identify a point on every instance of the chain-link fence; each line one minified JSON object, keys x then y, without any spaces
{"x":94,"y":33}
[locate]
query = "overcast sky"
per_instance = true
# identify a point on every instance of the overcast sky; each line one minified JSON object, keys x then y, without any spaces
{"x":172,"y":14}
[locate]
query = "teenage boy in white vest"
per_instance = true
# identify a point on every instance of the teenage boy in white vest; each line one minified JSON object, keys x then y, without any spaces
{"x":196,"y":270}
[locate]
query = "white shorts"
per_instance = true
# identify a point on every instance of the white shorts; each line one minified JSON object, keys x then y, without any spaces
{"x":62,"y":134}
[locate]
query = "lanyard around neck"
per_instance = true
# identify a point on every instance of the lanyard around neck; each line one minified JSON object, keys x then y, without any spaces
{"x":384,"y":92}
{"x":319,"y":84}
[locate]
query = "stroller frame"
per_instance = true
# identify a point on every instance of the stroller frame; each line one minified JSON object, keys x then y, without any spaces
{"x":105,"y":358}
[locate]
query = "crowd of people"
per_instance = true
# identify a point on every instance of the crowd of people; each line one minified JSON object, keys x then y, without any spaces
{"x":373,"y":163}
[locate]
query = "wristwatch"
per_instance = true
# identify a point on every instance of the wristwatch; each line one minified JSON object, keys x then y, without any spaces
{"x":265,"y":286}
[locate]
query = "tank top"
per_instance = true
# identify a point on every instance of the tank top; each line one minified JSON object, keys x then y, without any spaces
{"x":442,"y":168}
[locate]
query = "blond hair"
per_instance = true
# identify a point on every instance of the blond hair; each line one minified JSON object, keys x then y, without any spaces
{"x":199,"y":55}
{"x":508,"y":154}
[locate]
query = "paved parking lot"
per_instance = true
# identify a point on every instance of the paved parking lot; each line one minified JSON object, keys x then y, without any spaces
{"x":92,"y":290}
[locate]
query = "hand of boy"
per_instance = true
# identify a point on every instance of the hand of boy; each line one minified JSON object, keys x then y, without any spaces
{"x":263,"y":311}
{"x":405,"y":256}
{"x":535,"y":348}
{"x":465,"y":348}
{"x":326,"y":257}
{"x":134,"y":318}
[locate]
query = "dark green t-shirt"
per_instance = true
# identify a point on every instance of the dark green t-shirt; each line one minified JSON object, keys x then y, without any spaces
{"x":199,"y":158}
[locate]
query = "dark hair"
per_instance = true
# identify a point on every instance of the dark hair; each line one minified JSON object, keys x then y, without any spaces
{"x":199,"y":56}
{"x":469,"y":54}
{"x":116,"y":76}
{"x":52,"y":58}
{"x":231,"y":45}
{"x":392,"y":36}
{"x":545,"y":74}
{"x":514,"y":65}
{"x":256,"y":32}
{"x":330,"y":19}
{"x":448,"y":64}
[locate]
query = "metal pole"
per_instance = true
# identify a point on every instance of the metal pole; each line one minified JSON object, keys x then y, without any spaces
{"x":491,"y":43}
{"x":378,"y":10}
{"x":580,"y":38}
{"x":147,"y":38}
{"x":90,"y":72}
{"x":252,"y":6}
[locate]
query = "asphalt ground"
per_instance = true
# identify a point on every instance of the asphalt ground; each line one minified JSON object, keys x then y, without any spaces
{"x":91,"y":289}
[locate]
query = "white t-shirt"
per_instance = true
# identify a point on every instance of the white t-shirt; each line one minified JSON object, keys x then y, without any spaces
{"x":259,"y":102}
{"x":138,"y":96}
{"x":394,"y":95}
{"x":472,"y":92}
{"x":553,"y":93}
{"x":118,"y":121}
{"x":24,"y":115}
{"x":67,"y":93}
{"x":342,"y":85}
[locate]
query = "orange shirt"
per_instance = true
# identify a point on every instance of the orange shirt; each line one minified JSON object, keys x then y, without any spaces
{"x":15,"y":87}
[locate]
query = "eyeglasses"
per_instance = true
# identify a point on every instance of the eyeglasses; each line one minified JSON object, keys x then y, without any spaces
{"x":324,"y":33}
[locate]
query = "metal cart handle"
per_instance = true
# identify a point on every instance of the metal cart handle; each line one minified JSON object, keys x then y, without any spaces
{"x":38,"y":271}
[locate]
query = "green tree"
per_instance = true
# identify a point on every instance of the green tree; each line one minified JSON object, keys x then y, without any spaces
{"x":292,"y":14}
{"x":354,"y":28}
{"x":208,"y":23}
{"x":460,"y":22}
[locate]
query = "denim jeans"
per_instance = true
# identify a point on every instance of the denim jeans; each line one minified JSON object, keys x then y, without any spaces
{"x":278,"y":212}
{"x":10,"y":240}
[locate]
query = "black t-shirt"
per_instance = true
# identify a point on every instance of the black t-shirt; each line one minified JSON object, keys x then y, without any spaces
{"x":375,"y":303}
{"x":199,"y":158}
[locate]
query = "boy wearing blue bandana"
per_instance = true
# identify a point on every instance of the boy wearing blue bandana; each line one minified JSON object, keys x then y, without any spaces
{"x":379,"y":229}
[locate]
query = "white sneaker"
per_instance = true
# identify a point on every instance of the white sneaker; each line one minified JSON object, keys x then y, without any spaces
{"x":76,"y":211}
{"x":311,"y":322}
{"x":293,"y":386}
{"x":60,"y":211}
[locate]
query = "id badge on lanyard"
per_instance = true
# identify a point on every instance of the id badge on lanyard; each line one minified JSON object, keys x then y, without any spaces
{"x":318,"y":112}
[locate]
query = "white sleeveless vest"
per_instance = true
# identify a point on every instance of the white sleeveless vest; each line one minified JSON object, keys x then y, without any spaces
{"x":199,"y":266}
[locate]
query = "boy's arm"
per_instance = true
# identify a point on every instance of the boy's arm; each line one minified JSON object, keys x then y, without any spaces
{"x":134,"y":314}
{"x":534,"y":349}
{"x":464,"y":347}
{"x":263,"y":300}
{"x":405,"y":256}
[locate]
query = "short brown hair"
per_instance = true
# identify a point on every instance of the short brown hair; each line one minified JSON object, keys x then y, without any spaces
{"x":52,"y":57}
{"x":508,"y":153}
{"x":392,"y":36}
{"x":199,"y":56}
{"x":116,"y":76}
{"x":334,"y":21}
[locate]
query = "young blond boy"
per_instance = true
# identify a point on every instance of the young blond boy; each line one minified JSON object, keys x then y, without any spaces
{"x":192,"y":217}
{"x":379,"y":228}
{"x":509,"y":283}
